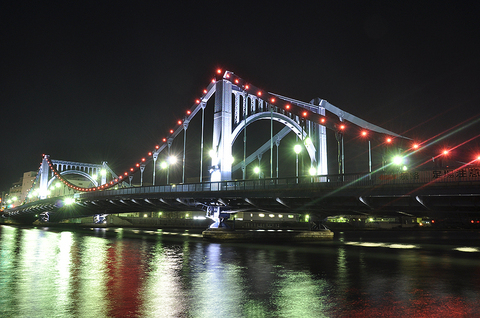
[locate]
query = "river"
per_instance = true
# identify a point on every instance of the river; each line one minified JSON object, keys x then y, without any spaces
{"x":52,"y":272}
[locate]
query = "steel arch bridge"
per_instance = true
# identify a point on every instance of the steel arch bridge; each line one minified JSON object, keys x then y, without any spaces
{"x":237,"y":104}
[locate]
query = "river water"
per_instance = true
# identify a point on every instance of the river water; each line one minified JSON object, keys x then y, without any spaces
{"x":154,"y":273}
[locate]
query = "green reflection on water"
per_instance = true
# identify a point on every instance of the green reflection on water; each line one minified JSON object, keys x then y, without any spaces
{"x":298,"y":294}
{"x":93,"y":277}
{"x":163,"y":295}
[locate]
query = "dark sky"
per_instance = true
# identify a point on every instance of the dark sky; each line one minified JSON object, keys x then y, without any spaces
{"x":104,"y":80}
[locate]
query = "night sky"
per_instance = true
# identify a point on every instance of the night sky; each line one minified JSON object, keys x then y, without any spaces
{"x":105,"y":80}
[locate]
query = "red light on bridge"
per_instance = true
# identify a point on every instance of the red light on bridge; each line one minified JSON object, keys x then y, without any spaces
{"x":196,"y":101}
{"x":341,"y":127}
{"x":236,"y":81}
{"x":125,"y":173}
{"x":304,"y":114}
{"x":388,"y":140}
{"x":416,"y":146}
{"x":219,"y":71}
{"x":131,"y":169}
{"x":143,"y":159}
{"x":164,"y":139}
{"x":323,"y":120}
{"x":179,"y":122}
{"x":364,"y":133}
{"x":171,"y":131}
{"x":247,"y":86}
{"x":205,"y":91}
{"x":157,"y":146}
{"x":445,"y":152}
{"x":478,"y":157}
{"x":259,"y":93}
{"x":287,"y":107}
{"x":189,"y":111}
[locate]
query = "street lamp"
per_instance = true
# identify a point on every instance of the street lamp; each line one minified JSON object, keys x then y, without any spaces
{"x":297,"y":149}
{"x":166,"y":165}
{"x":365,"y":134}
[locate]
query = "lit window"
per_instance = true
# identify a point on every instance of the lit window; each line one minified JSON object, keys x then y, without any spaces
{"x":290,"y":216}
{"x":261,"y":215}
{"x":271,"y":215}
{"x":280,"y":216}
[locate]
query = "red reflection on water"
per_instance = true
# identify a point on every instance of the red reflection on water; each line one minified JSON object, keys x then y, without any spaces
{"x":124,"y":279}
{"x":419,"y":305}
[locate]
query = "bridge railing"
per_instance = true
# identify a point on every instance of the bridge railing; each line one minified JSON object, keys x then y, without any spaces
{"x":324,"y":181}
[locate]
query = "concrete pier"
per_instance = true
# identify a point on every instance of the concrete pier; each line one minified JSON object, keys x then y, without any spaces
{"x":267,"y":235}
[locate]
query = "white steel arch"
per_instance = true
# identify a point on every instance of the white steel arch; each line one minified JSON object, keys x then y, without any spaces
{"x":287,"y":121}
{"x":80,"y":173}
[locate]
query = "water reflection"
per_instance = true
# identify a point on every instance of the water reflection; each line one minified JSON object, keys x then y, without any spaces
{"x":120,"y":273}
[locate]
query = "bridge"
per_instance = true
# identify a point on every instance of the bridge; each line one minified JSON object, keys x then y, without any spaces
{"x":230,"y":186}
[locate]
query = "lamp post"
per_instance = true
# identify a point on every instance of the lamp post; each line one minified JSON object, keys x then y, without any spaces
{"x":365,"y":134}
{"x":297,"y":149}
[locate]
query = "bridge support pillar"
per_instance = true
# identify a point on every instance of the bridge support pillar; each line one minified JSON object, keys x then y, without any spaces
{"x":221,"y":168}
{"x":215,"y":213}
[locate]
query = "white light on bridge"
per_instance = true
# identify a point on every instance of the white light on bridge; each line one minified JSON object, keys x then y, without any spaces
{"x":69,"y":201}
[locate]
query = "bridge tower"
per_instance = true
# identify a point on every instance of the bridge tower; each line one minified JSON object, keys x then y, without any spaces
{"x":44,"y":170}
{"x":221,"y":168}
{"x":318,"y":136}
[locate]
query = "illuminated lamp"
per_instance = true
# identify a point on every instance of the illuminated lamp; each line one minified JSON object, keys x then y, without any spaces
{"x":227,"y":75}
{"x":236,"y":81}
{"x":445,"y":152}
{"x":149,"y":153}
{"x":304,"y":114}
{"x":287,"y":106}
{"x":416,"y":146}
{"x":111,"y":182}
{"x":388,"y":140}
{"x":272,"y":100}
{"x":259,"y":93}
{"x":205,"y":91}
{"x":125,"y":173}
{"x":196,"y":101}
{"x":179,"y":122}
{"x":143,"y":159}
{"x":364,"y":133}
{"x":342,"y":127}
{"x":478,"y":157}
{"x":157,"y":146}
{"x":213,"y":80}
{"x":171,"y":131}
{"x":219,"y":71}
{"x":189,"y":111}
{"x":131,"y":169}
{"x":137,"y":165}
{"x":120,"y":177}
{"x":247,"y":86}
{"x":164,"y":139}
